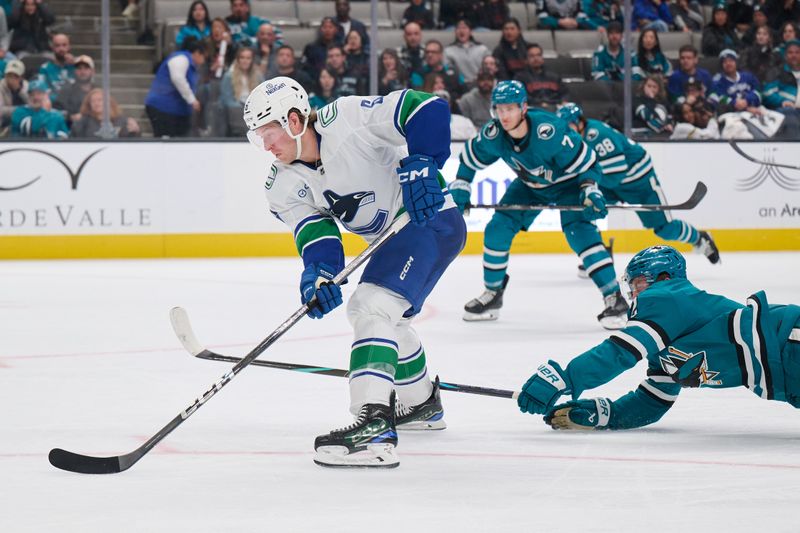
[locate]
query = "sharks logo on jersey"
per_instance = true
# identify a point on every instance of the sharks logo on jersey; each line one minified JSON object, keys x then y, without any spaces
{"x":345,"y":207}
{"x":688,"y":369}
{"x":524,"y":171}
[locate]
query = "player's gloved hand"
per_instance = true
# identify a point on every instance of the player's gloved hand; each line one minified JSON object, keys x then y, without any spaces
{"x":543,"y":389}
{"x":422,"y":194}
{"x":316,"y":281}
{"x":580,"y":414}
{"x":594,"y":201}
{"x":461,"y":190}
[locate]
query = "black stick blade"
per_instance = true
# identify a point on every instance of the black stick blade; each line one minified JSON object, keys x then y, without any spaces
{"x":83,"y":464}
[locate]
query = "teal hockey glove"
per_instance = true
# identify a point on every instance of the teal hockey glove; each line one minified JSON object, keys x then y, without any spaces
{"x":593,"y":199}
{"x":422,"y":193}
{"x":580,"y":414}
{"x":543,"y":389}
{"x":316,"y":281}
{"x":461,"y":190}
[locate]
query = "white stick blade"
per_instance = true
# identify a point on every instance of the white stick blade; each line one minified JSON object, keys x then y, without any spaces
{"x":183,"y":329}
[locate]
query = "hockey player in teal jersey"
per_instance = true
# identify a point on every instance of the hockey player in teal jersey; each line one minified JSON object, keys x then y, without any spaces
{"x":688,"y":337}
{"x":554,"y":167}
{"x":628,"y":176}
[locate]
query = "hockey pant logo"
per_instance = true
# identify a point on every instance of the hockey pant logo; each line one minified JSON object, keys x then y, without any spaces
{"x":407,"y":267}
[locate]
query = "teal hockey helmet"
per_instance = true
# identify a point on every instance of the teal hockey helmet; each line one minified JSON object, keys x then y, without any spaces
{"x":571,"y":112}
{"x":651,"y":263}
{"x":509,"y":92}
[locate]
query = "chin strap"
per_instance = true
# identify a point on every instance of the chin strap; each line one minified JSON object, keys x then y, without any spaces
{"x":297,"y":137}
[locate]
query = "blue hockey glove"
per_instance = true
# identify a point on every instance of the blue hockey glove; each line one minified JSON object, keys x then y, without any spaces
{"x":580,"y":414}
{"x":316,"y":282}
{"x":594,"y":201}
{"x":460,"y":190}
{"x":422,"y":194}
{"x":543,"y":389}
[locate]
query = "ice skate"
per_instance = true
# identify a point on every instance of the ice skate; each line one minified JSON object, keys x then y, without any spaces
{"x":487,"y":305}
{"x":615,"y":315}
{"x":369,"y":442}
{"x":428,"y":415}
{"x":582,"y":269}
{"x":706,"y":246}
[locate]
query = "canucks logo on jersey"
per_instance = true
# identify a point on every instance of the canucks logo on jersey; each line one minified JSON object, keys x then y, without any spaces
{"x":688,"y":369}
{"x":345,"y":207}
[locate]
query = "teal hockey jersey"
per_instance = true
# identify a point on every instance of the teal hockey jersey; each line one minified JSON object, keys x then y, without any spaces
{"x":621,"y":159}
{"x":551,"y":153}
{"x":691,"y":338}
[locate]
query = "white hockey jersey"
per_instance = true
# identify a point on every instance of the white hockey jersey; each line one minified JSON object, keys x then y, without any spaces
{"x":361,"y":142}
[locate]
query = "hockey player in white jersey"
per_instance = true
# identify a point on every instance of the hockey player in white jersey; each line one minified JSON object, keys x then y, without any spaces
{"x":350,"y":162}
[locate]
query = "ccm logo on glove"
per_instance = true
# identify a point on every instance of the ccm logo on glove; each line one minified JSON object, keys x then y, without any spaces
{"x":411,"y":175}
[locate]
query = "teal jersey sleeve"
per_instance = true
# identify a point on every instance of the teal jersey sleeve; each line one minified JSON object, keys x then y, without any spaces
{"x":647,"y":404}
{"x":480,"y":151}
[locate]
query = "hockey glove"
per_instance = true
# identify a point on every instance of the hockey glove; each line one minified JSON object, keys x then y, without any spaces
{"x":316,"y":282}
{"x":580,"y":414}
{"x":461,"y":190}
{"x":593,"y":199}
{"x":543,"y":389}
{"x":422,"y":193}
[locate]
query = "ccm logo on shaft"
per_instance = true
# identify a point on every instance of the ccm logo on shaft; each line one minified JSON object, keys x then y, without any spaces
{"x":407,"y":267}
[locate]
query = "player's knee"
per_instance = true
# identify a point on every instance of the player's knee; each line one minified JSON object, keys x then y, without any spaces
{"x":500,"y":232}
{"x":372,"y":302}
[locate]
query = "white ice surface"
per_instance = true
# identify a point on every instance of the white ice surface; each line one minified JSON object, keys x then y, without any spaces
{"x":88,"y":362}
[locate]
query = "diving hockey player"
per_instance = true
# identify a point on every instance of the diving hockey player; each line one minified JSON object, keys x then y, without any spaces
{"x":628,"y":176}
{"x":688,"y":337}
{"x":553,"y":166}
{"x":341,"y":163}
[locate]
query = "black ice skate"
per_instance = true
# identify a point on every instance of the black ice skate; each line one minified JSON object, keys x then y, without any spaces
{"x":615,"y":315}
{"x":428,"y":415}
{"x":487,"y":305}
{"x":610,"y":248}
{"x":706,"y":246}
{"x":369,"y":442}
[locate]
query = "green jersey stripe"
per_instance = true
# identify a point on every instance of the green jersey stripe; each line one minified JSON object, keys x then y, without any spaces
{"x":315,"y":231}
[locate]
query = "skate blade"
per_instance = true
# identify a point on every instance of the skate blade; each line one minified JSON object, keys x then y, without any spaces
{"x":375,"y":456}
{"x":482,"y":317}
{"x":614,"y":322}
{"x":424,"y":425}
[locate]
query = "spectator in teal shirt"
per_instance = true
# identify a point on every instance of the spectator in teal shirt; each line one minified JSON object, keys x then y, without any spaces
{"x":61,"y":69}
{"x":37,"y":119}
{"x":198,"y":24}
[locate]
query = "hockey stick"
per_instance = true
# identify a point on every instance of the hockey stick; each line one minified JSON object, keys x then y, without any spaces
{"x":699,"y":193}
{"x":86,"y":464}
{"x":183,"y":329}
{"x":759,"y":161}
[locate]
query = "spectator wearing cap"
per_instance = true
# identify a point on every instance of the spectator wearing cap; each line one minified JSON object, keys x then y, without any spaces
{"x":465,"y":52}
{"x":13,"y":91}
{"x":346,"y":24}
{"x":760,"y":58}
{"x":476,"y":104}
{"x":686,"y":15}
{"x":759,"y":20}
{"x":170,"y":102}
{"x":435,"y":63}
{"x":91,"y":120}
{"x":651,"y":14}
{"x":198,"y":24}
{"x":598,"y":14}
{"x":72,"y":95}
{"x":779,"y":12}
{"x":545,"y":89}
{"x":412,"y":53}
{"x":36,"y":119}
{"x":61,"y":69}
{"x":419,"y":13}
{"x":718,"y":34}
{"x":315,"y":53}
{"x":512,"y":50}
{"x":782,"y":90}
{"x":687,"y":72}
{"x":733,"y":90}
{"x":608,"y":61}
{"x":243,"y":24}
{"x":29,"y":20}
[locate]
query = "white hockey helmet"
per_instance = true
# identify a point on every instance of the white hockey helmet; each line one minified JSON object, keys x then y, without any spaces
{"x":271,"y":101}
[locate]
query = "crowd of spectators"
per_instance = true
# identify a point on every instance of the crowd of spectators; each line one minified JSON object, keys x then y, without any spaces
{"x":200,"y":89}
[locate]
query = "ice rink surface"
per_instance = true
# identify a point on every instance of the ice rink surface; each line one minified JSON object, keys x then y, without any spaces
{"x":89,"y":363}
